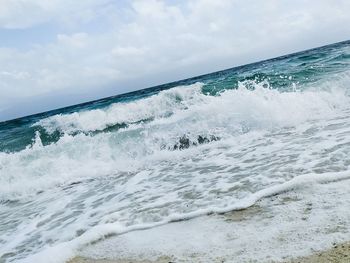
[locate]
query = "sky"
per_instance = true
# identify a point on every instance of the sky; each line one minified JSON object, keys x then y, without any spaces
{"x":62,"y":52}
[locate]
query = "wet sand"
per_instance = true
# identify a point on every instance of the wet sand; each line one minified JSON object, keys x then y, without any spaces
{"x":340,"y":253}
{"x":86,"y":260}
{"x":304,"y":212}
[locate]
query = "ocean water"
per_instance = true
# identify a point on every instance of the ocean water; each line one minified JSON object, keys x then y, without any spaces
{"x":209,"y":144}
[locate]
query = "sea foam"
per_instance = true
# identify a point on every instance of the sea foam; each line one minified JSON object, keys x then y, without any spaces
{"x":67,"y":250}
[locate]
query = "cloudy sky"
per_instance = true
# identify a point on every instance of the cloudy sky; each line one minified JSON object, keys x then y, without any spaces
{"x":61,"y":52}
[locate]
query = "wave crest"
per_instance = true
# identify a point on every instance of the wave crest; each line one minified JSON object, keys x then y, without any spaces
{"x":164,"y":104}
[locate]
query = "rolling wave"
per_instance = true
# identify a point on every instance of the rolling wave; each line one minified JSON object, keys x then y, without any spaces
{"x":181,"y":118}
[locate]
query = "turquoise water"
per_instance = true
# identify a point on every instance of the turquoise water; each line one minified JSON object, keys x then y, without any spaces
{"x":203,"y":143}
{"x":285,"y":73}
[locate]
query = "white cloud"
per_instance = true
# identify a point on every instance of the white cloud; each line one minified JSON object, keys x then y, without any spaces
{"x":76,"y":40}
{"x":127,"y":51}
{"x":15,"y":75}
{"x":156,"y":41}
{"x":27,"y":13}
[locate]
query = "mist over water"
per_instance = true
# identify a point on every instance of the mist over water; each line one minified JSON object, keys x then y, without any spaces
{"x":210,"y":143}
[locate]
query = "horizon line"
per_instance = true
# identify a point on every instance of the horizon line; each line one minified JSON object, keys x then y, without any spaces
{"x":169,"y":83}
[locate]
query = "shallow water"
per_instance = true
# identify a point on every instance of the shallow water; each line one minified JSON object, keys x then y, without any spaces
{"x":293,"y":224}
{"x":201,"y":145}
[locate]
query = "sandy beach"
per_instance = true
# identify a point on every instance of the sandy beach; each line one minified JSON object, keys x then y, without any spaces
{"x":339,"y":253}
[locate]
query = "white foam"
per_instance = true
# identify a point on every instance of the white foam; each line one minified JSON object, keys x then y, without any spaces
{"x":263,"y":106}
{"x":279,"y":228}
{"x":156,"y":106}
{"x":54,"y":254}
{"x":74,"y":158}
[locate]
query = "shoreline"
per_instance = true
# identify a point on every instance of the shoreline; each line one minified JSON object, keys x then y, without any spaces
{"x":303,"y":226}
{"x":339,"y":253}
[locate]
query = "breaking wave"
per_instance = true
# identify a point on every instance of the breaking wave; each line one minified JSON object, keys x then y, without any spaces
{"x":179,"y":153}
{"x":177,"y":119}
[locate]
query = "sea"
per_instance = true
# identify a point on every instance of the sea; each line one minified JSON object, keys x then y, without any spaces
{"x":177,"y":152}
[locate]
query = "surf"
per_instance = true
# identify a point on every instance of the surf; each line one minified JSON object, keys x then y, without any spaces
{"x":213,"y":144}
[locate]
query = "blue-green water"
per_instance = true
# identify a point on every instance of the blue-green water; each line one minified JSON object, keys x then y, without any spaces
{"x":300,"y":70}
{"x":206,"y":140}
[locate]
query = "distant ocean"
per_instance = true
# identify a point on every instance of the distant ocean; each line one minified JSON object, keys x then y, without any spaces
{"x":208,"y":144}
